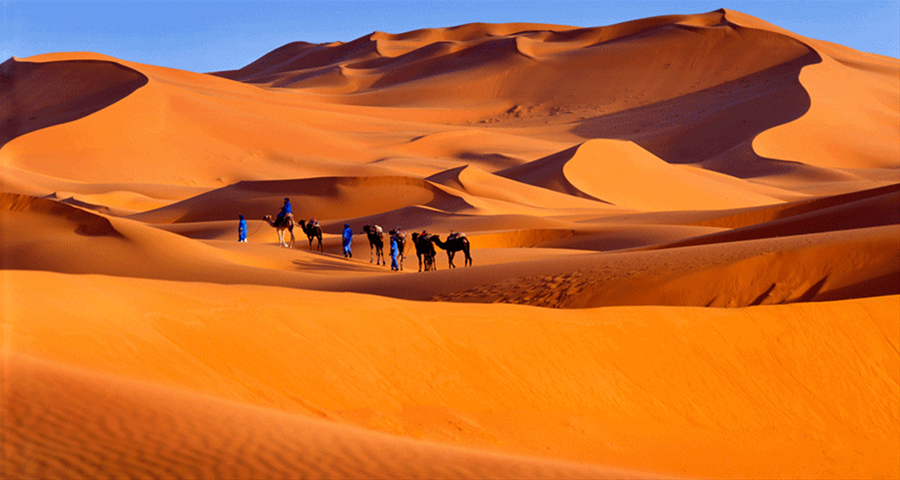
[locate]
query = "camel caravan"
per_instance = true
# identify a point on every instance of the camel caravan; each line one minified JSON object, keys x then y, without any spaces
{"x":424,"y":242}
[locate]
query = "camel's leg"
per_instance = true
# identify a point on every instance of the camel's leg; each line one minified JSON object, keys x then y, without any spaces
{"x":450,"y":258}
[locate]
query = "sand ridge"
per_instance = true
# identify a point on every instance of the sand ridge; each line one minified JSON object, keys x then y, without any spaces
{"x":684,"y":231}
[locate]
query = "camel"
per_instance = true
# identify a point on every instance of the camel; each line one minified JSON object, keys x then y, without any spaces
{"x":401,"y":246}
{"x":424,"y":250}
{"x":286,"y":223}
{"x":312,"y":230}
{"x":453,"y":245}
{"x":376,"y":244}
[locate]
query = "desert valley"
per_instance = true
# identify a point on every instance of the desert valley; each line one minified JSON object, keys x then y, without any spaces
{"x":685,"y":244}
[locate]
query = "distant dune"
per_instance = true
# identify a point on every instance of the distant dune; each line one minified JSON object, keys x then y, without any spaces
{"x":684,"y":230}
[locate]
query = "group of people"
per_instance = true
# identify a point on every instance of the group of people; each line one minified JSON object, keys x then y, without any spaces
{"x":398,"y":237}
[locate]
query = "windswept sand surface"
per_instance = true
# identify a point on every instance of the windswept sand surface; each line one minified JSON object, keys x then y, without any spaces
{"x":685,"y":238}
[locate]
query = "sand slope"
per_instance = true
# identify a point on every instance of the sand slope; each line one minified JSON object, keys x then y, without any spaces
{"x":691,"y":224}
{"x":65,"y":422}
{"x":782,"y":379}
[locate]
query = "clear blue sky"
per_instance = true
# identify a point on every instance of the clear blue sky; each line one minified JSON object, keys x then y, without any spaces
{"x":204,"y":36}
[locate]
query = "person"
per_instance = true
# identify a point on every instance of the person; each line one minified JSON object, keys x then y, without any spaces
{"x":348,"y":237}
{"x":242,"y":230}
{"x":394,"y":253}
{"x":285,"y":211}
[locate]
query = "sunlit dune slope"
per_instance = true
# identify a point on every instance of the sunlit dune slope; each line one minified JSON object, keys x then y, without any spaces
{"x":853,"y":95}
{"x":761,"y":392}
{"x":107,"y":427}
{"x":623,"y":174}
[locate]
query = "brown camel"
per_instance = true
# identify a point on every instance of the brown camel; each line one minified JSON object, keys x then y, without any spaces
{"x":286,"y":223}
{"x":453,"y":245}
{"x":312,"y":230}
{"x":376,"y":244}
{"x":425,"y":251}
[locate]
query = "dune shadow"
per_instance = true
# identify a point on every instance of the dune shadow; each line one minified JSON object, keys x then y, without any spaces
{"x":34,"y":96}
{"x":333,"y":263}
{"x":715,"y":126}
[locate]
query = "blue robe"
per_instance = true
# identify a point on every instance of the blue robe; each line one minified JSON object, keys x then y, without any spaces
{"x":394,"y":251}
{"x":348,"y":237}
{"x":242,"y":230}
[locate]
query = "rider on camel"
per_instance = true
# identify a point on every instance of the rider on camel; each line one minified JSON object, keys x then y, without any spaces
{"x":285,"y":212}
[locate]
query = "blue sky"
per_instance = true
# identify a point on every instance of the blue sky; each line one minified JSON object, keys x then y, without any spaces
{"x":204,"y":36}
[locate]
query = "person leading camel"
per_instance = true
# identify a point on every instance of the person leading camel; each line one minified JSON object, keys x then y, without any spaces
{"x":242,"y":230}
{"x":400,"y":236}
{"x":394,"y":253}
{"x":347,"y":238}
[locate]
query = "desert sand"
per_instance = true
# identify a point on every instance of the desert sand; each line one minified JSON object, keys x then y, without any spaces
{"x":685,"y":235}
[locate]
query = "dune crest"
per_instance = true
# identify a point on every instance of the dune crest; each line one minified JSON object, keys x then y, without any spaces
{"x":40,"y":95}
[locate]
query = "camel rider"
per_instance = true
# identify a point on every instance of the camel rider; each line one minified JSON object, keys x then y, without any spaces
{"x":285,"y":212}
{"x":242,"y":230}
{"x":347,"y":238}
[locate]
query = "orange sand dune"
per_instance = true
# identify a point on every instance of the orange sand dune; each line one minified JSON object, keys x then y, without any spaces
{"x":40,"y":95}
{"x":623,"y":174}
{"x":845,"y":87}
{"x":878,"y":210}
{"x":806,"y":390}
{"x":781,"y":266}
{"x":690,"y":224}
{"x":62,"y":422}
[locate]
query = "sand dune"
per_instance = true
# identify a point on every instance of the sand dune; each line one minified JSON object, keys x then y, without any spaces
{"x":784,"y":380}
{"x":623,"y":174}
{"x":64,"y":422}
{"x":689,"y":225}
